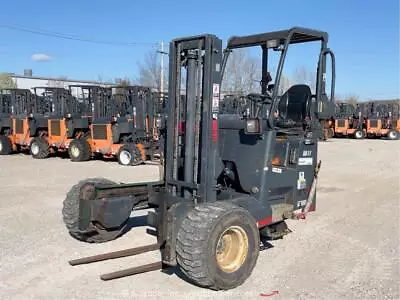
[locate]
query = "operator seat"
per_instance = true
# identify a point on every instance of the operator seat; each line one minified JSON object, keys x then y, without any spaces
{"x":294,"y":106}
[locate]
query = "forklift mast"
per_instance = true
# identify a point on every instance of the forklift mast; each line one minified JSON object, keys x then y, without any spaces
{"x":22,"y":102}
{"x":56,"y":102}
{"x":96,"y":101}
{"x":191,"y":158}
{"x":5,"y":103}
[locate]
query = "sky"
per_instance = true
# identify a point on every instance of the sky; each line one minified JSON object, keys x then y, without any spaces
{"x":363,"y":34}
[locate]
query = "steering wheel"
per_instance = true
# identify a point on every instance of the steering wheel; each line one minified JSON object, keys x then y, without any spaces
{"x":260,"y":98}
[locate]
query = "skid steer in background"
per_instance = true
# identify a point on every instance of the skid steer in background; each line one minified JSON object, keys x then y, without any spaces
{"x":228,"y":178}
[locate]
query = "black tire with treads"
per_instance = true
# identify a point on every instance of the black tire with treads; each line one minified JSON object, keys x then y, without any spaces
{"x":84,"y":150}
{"x":70,"y":213}
{"x":43,"y":148}
{"x":359,"y":134}
{"x":5,"y":145}
{"x":393,"y":135}
{"x":197,"y":242}
{"x":133,"y":151}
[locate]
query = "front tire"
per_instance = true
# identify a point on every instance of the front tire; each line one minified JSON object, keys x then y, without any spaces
{"x":218,"y":245}
{"x":5,"y":145}
{"x":393,"y":135}
{"x":129,"y":155}
{"x":70,"y":212}
{"x":39,"y":148}
{"x":359,"y":134}
{"x":79,"y":150}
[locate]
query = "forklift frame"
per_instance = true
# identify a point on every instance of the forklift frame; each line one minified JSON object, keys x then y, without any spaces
{"x":204,"y":159}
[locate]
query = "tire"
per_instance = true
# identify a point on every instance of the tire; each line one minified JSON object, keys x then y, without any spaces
{"x":393,"y":135}
{"x":331,"y":133}
{"x":129,"y":155}
{"x":5,"y":145}
{"x":70,"y":213}
{"x":359,"y":134}
{"x":199,"y":239}
{"x":39,"y":148}
{"x":79,"y":150}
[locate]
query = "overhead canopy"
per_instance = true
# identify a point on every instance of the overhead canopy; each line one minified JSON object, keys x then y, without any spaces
{"x":298,"y":35}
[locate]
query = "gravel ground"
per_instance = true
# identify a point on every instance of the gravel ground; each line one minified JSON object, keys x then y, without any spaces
{"x":347,"y":249}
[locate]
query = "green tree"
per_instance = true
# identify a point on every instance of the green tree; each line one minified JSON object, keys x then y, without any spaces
{"x":6,"y":81}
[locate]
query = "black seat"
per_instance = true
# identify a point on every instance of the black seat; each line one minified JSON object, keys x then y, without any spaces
{"x":294,"y":106}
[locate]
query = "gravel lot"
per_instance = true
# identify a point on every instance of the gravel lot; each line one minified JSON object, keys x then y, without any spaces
{"x":347,"y":249}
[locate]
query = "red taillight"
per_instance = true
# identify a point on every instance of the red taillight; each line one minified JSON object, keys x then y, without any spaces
{"x":181,"y":127}
{"x":214,"y":131}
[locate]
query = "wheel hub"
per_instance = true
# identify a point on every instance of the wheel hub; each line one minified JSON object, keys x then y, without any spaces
{"x":358,"y":134}
{"x":35,"y":148}
{"x":75,"y":151}
{"x":1,"y":146}
{"x":232,"y":249}
{"x":392,"y":135}
{"x":125,"y":157}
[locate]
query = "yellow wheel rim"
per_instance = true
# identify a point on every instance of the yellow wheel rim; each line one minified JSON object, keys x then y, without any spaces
{"x":232,"y":249}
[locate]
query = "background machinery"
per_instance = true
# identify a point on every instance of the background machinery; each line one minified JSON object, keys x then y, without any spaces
{"x":27,"y":120}
{"x":5,"y":122}
{"x":380,"y":120}
{"x":228,"y":178}
{"x":122,"y":124}
{"x":64,"y":121}
{"x":348,"y":122}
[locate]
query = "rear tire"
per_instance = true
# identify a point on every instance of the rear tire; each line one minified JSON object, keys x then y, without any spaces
{"x":218,"y":245}
{"x":129,"y":155}
{"x":359,"y":134}
{"x":5,"y":145}
{"x":39,"y":148}
{"x":70,"y":214}
{"x":393,"y":135}
{"x":79,"y":150}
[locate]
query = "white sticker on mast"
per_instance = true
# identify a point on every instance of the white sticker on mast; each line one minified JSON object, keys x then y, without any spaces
{"x":215,"y":98}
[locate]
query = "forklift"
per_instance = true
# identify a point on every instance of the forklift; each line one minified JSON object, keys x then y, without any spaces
{"x":120,"y":125}
{"x":138,"y":129}
{"x":64,"y":121}
{"x":28,"y":122}
{"x":394,"y":117}
{"x":348,"y":122}
{"x":378,"y":122}
{"x":100,"y":111}
{"x":228,"y":178}
{"x":5,"y":122}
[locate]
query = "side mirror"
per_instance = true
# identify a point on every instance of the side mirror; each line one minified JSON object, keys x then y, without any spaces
{"x":253,"y":126}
